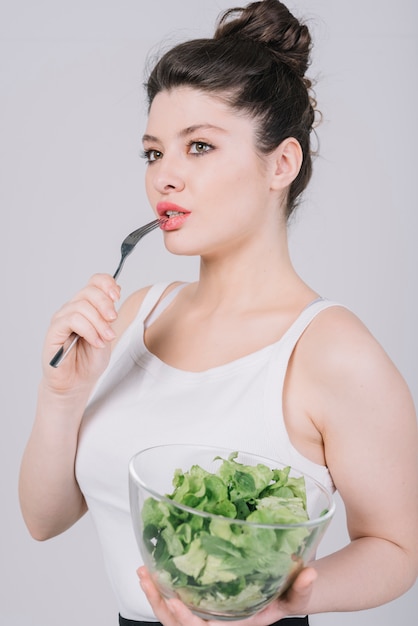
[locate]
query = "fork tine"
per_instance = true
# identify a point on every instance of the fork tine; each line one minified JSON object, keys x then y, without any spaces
{"x":137,"y":234}
{"x":129,"y":243}
{"x":147,"y":228}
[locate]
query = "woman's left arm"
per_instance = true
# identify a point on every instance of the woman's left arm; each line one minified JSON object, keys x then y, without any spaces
{"x":363,"y":409}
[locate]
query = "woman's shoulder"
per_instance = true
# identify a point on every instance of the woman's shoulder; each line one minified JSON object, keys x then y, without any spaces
{"x":343,"y":365}
{"x":338,"y":341}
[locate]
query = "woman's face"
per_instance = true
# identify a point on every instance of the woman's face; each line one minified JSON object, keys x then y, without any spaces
{"x":204,"y":173}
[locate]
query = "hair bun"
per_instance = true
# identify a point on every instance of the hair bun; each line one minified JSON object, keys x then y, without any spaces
{"x":269,"y":22}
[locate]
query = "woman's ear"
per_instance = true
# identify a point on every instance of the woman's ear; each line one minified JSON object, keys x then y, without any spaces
{"x":287,"y":163}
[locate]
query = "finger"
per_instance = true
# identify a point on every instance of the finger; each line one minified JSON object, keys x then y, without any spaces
{"x":103,"y":301}
{"x":157,"y":602}
{"x":107,"y":284}
{"x":83,"y":319}
{"x":294,"y":602}
{"x":169,"y":612}
{"x":89,"y":314}
{"x":95,"y":305}
{"x":184,"y":616}
{"x":305,"y":580}
{"x":296,"y":599}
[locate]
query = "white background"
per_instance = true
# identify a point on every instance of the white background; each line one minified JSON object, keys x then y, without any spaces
{"x":71,"y":117}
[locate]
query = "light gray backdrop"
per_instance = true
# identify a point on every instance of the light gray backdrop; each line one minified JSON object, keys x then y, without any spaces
{"x":71,"y":188}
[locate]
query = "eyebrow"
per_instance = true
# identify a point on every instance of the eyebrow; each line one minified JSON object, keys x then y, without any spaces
{"x":187,"y":131}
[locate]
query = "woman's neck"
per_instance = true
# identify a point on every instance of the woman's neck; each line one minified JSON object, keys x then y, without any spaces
{"x":261,"y":274}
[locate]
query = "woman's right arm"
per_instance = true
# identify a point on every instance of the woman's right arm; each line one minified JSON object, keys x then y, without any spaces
{"x":50,"y":498}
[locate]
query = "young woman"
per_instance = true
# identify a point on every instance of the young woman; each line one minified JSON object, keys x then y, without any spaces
{"x":279,"y":371}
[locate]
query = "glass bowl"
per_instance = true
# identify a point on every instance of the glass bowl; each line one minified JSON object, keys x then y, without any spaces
{"x":223,"y":567}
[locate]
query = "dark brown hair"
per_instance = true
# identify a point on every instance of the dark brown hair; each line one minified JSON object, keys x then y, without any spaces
{"x":256,"y":62}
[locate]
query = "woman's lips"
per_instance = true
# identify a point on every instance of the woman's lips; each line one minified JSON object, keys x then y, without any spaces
{"x":175,"y":215}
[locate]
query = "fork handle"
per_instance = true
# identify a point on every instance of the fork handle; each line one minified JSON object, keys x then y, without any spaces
{"x":60,"y":355}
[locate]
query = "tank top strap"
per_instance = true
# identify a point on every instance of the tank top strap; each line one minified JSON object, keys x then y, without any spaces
{"x":296,"y":330}
{"x":151,"y":298}
{"x":157,"y":304}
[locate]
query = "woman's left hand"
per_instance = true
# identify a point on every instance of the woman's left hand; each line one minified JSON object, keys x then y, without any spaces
{"x":174,"y":613}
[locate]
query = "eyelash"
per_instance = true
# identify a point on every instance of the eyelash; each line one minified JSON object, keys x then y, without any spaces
{"x":208,"y":147}
{"x":147,"y":154}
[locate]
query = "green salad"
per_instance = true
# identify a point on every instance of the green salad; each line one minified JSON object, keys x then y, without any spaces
{"x":212,"y":562}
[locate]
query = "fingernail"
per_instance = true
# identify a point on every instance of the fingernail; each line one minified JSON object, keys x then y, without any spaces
{"x":109,"y":333}
{"x":114,"y":295}
{"x":144,"y":583}
{"x":173,"y":607}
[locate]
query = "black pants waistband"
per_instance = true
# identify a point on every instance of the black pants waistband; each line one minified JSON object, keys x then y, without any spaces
{"x":287,"y":621}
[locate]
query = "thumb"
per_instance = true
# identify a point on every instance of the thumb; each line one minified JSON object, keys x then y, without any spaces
{"x":304,"y":581}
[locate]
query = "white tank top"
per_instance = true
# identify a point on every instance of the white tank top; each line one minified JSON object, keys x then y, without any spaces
{"x":141,"y":401}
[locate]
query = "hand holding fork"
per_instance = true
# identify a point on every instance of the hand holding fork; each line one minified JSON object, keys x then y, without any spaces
{"x":127,"y":246}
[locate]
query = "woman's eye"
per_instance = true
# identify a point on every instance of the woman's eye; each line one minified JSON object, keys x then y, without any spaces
{"x":199,"y":147}
{"x":152,"y":155}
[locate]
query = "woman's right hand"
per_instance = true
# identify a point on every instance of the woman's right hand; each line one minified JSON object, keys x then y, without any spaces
{"x":89,"y":314}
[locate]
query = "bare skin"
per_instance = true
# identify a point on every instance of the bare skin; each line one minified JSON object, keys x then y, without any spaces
{"x":345,"y":403}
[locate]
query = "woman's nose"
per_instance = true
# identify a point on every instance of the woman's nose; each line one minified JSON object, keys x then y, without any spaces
{"x":167,"y":177}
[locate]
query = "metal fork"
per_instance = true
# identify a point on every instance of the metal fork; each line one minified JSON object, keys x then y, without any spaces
{"x":128,"y":244}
